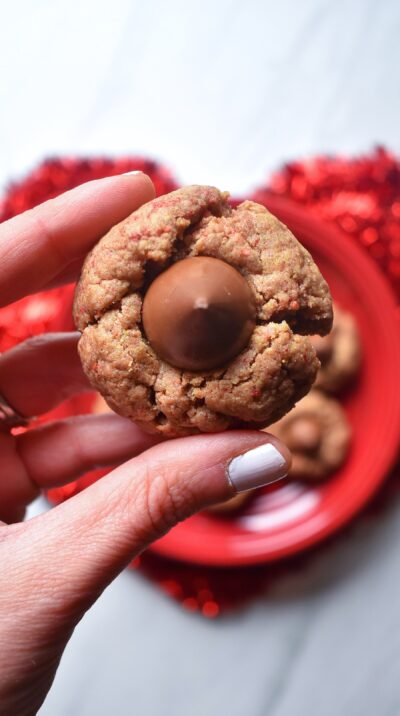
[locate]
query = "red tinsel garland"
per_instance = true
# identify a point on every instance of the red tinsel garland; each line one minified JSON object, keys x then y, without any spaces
{"x":361,"y":196}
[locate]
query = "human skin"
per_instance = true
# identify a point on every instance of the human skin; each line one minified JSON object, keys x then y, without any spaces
{"x":55,"y":566}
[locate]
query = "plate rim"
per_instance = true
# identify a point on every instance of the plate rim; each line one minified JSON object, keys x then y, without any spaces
{"x":172,"y":547}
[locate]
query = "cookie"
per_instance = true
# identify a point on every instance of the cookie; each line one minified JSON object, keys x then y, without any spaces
{"x":339,"y":353}
{"x":318,"y":435}
{"x":234,"y":504}
{"x":134,"y":367}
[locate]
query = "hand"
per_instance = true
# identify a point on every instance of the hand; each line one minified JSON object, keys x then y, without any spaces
{"x":55,"y":566}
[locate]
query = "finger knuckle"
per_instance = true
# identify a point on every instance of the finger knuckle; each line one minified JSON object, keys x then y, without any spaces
{"x":168,"y":500}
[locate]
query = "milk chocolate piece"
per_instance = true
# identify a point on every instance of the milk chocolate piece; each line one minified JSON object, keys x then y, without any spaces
{"x":304,"y":433}
{"x":199,"y":313}
{"x":324,"y":346}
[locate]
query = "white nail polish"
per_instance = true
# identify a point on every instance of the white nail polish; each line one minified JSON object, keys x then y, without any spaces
{"x":135,"y":171}
{"x":255,"y":468}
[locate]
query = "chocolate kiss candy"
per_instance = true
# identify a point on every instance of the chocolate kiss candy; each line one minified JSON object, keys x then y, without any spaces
{"x":324,"y":347}
{"x":199,"y":313}
{"x":304,"y":434}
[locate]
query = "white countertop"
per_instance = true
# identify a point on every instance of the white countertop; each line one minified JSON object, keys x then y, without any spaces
{"x":223,"y":92}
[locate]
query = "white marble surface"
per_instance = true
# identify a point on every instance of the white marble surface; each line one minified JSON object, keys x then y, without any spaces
{"x":223,"y":92}
{"x":323,"y":642}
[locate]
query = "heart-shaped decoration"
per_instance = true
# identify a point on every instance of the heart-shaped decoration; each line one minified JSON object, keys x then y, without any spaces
{"x":360,"y":197}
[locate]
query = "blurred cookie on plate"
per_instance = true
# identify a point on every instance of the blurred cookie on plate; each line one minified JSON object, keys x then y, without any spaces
{"x":234,"y":504}
{"x":318,"y":435}
{"x":339,"y":352}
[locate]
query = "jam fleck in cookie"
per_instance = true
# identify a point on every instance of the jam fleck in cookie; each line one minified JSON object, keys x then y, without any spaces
{"x":339,"y":353}
{"x":195,"y":316}
{"x":318,"y":435}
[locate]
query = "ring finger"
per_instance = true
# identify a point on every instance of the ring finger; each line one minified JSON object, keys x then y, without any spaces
{"x":58,"y":452}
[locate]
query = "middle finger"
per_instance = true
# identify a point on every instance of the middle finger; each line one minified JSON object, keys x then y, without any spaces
{"x":40,"y":373}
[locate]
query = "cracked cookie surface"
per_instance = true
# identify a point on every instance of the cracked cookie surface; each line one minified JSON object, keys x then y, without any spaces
{"x":276,"y":368}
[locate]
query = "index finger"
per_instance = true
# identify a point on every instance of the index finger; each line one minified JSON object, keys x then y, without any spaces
{"x":38,"y":245}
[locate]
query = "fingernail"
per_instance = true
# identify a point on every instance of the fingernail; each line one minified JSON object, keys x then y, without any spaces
{"x":257,"y":467}
{"x":135,"y":171}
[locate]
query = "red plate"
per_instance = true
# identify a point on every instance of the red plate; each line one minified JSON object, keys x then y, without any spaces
{"x":291,"y":517}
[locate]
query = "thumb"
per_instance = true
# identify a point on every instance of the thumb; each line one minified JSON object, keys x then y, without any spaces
{"x":99,"y":531}
{"x":141,"y":500}
{"x":61,"y":561}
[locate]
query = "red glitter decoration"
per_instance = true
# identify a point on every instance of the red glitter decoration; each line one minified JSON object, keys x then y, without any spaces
{"x":38,"y":314}
{"x":361,"y":196}
{"x":54,"y":176}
